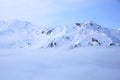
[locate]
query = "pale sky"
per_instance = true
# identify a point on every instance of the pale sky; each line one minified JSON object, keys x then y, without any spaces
{"x":62,"y":12}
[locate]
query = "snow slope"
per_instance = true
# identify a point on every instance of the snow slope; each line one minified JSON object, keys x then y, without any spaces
{"x":24,"y":34}
{"x":15,"y":33}
{"x":93,"y":63}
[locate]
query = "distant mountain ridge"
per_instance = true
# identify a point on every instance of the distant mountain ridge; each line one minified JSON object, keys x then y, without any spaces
{"x":22,"y":34}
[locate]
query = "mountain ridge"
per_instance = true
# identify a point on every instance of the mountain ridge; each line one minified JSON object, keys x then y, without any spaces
{"x":21,"y":34}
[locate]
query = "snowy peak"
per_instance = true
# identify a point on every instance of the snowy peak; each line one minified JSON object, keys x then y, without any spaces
{"x":88,"y":24}
{"x":24,"y":34}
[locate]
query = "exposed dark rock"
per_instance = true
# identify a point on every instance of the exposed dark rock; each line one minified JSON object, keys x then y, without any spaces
{"x":49,"y":32}
{"x":112,"y":44}
{"x":77,"y":45}
{"x":94,"y":40}
{"x":52,"y":44}
{"x":28,"y":43}
{"x":42,"y":32}
{"x":91,"y":24}
{"x":78,"y":24}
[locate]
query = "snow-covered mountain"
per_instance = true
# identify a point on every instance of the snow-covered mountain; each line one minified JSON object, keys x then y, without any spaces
{"x":24,"y":34}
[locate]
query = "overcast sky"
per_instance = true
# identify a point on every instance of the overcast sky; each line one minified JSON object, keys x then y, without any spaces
{"x":62,"y":12}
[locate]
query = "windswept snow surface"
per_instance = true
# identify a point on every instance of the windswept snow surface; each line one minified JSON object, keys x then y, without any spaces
{"x":85,"y":63}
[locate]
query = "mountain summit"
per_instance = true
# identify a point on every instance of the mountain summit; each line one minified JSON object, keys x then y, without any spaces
{"x":24,"y":34}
